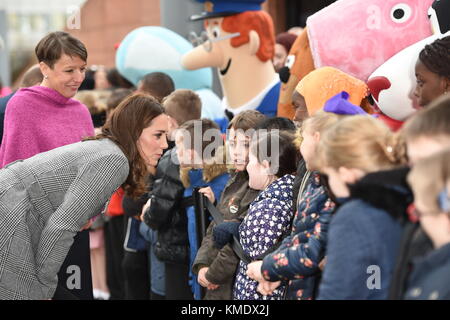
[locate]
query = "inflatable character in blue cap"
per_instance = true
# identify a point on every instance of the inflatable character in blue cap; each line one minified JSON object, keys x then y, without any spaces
{"x":239,"y":41}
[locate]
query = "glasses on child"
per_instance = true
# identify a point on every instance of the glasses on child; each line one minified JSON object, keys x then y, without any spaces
{"x":443,"y":200}
{"x":419,"y":213}
{"x":205,"y":40}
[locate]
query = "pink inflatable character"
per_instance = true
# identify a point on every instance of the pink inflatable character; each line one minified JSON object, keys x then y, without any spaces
{"x":358,"y":36}
{"x":392,"y":85}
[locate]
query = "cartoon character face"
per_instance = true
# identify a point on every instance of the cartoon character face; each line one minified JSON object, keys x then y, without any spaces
{"x":298,"y":64}
{"x":395,"y":95}
{"x":369,"y":33}
{"x":216,"y":51}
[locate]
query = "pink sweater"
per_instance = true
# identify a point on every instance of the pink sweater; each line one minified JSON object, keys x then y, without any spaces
{"x":39,"y":119}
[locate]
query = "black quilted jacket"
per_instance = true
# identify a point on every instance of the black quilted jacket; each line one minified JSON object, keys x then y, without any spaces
{"x":166,"y":214}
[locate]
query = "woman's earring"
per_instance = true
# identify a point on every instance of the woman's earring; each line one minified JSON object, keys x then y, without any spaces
{"x":45,"y":77}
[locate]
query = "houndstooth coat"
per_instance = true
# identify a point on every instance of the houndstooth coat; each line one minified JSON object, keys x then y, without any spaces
{"x":44,"y":201}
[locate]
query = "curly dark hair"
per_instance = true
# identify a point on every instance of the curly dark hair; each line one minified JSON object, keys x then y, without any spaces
{"x":436,"y":57}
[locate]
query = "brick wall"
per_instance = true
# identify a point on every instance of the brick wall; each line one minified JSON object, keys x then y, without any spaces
{"x":106,"y":22}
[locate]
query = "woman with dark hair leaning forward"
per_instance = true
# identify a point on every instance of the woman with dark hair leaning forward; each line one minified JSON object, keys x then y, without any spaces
{"x":46,"y":199}
{"x":44,"y":117}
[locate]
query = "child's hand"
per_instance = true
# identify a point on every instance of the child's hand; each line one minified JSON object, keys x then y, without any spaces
{"x":254,"y":271}
{"x":203,"y":281}
{"x":266,"y":288}
{"x":207,"y":192}
{"x":87,"y":225}
{"x":323,"y":263}
{"x":223,"y":233}
{"x":144,"y":208}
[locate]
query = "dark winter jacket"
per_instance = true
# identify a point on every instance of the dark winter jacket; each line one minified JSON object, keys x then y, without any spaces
{"x":299,"y":256}
{"x":364,"y":238}
{"x":414,"y":244}
{"x":166,"y":213}
{"x":430,"y":279}
{"x":132,"y":208}
{"x":233,"y":204}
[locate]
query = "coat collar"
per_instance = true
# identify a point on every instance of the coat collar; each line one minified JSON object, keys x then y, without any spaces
{"x":387,"y":190}
{"x":280,"y":189}
{"x":434,"y":259}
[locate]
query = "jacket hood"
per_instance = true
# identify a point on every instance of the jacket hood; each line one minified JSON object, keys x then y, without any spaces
{"x":387,"y":190}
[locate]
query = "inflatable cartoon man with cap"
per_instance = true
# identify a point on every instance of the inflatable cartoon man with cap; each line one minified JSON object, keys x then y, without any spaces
{"x":239,"y":41}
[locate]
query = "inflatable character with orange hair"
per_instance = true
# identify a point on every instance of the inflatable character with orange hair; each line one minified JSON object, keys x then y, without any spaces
{"x":239,"y":41}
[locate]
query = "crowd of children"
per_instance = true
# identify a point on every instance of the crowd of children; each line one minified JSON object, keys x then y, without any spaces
{"x":331,"y":204}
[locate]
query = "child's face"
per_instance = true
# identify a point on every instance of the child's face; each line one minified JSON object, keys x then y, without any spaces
{"x":301,"y":112}
{"x":258,"y":173}
{"x":429,"y":85}
{"x":424,"y":147}
{"x":308,"y":147}
{"x":437,"y":227}
{"x":238,"y":144}
{"x":184,"y":155}
{"x":338,"y":179}
{"x":173,"y":125}
{"x":336,"y":182}
{"x":436,"y":224}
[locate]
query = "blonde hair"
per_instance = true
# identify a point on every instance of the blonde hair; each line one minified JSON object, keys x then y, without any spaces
{"x":183,"y":105}
{"x":360,"y":142}
{"x":94,"y":100}
{"x":429,"y":177}
{"x":317,"y":123}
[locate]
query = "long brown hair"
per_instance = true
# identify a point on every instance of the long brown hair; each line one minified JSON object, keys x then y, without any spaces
{"x":124,"y":126}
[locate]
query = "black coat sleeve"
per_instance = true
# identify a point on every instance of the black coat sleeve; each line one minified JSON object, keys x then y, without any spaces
{"x":166,"y":195}
{"x":132,"y":207}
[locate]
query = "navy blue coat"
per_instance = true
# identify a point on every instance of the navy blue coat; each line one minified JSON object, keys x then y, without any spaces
{"x":364,"y":238}
{"x":430,"y":279}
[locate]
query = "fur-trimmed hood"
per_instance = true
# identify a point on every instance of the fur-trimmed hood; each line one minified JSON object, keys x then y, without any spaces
{"x":387,"y":190}
{"x":216,"y":167}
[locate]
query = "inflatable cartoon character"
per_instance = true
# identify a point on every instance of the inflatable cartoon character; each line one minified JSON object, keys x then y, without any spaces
{"x":157,"y":49}
{"x":392,"y":84}
{"x":356,"y":37}
{"x":240,"y":44}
